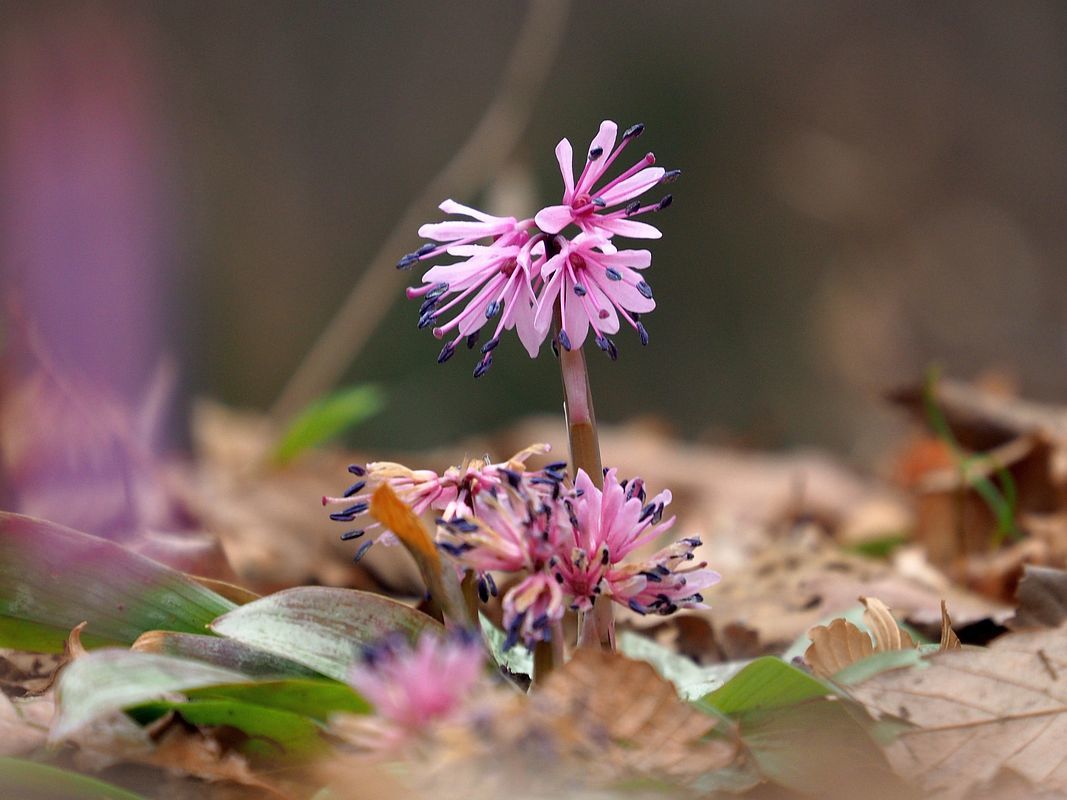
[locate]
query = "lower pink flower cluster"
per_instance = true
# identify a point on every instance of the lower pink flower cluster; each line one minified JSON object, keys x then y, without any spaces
{"x":570,"y":541}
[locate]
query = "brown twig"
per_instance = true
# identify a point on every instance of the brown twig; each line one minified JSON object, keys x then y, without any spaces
{"x":486,"y":149}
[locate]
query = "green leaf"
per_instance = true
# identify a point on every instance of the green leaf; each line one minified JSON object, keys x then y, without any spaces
{"x":766,"y":683}
{"x":226,"y":653}
{"x":878,"y":663}
{"x":321,"y":627}
{"x":106,"y":681}
{"x":52,"y":578}
{"x":29,"y":780}
{"x":318,"y":699}
{"x":690,"y":679}
{"x":518,"y":660}
{"x":328,"y":417}
{"x":271,"y":732}
{"x":820,"y":748}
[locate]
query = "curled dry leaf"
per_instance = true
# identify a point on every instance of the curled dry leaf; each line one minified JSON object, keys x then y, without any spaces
{"x":836,"y":646}
{"x":888,"y":635}
{"x":949,"y":639}
{"x":979,"y":713}
{"x":398,"y":517}
{"x":72,"y":649}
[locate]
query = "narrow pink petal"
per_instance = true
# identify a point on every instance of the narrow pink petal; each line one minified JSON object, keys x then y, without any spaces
{"x":452,"y":207}
{"x":610,"y":323}
{"x":457,"y":275}
{"x":553,"y":219}
{"x":575,"y":318}
{"x":627,"y":296}
{"x":565,"y":157}
{"x":547,"y":303}
{"x":633,"y":186}
{"x":626,"y":227}
{"x":605,"y":139}
{"x":523,"y":317}
{"x":635,"y":259}
{"x":451,"y":231}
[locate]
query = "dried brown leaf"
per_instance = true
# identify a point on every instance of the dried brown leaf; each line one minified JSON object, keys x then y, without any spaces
{"x":949,"y":639}
{"x":888,"y":635}
{"x":72,"y":649}
{"x":980,"y":712}
{"x":836,"y":646}
{"x":397,"y":516}
{"x":1042,"y":597}
{"x":622,"y":713}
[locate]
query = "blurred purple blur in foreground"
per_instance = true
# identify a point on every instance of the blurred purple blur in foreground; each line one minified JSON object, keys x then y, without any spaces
{"x":82,"y":219}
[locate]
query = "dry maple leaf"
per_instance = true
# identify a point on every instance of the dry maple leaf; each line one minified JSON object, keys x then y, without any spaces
{"x":979,"y":713}
{"x":888,"y":635}
{"x":836,"y":646}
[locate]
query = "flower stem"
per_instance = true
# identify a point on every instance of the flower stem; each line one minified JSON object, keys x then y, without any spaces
{"x":596,"y":627}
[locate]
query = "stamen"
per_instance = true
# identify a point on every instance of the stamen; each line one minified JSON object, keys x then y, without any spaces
{"x":634,"y":131}
{"x":446,"y":353}
{"x":349,"y":535}
{"x":642,"y":333}
{"x":362,"y":551}
{"x":613,"y":274}
{"x":490,"y":345}
{"x":565,"y":340}
{"x":355,"y":487}
{"x":579,"y":290}
{"x":670,"y":176}
{"x":632,"y":207}
{"x":483,"y":365}
{"x":357,"y":469}
{"x":596,"y":153}
{"x":427,"y":319}
{"x":493,"y":308}
{"x":644,"y":289}
{"x":665,"y":202}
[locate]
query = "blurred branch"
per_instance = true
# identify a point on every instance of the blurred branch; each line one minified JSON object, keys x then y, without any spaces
{"x":484,"y":152}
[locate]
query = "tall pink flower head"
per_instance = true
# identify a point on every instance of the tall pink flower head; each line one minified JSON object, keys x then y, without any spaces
{"x":596,"y":209}
{"x":412,"y":686}
{"x":593,"y":285}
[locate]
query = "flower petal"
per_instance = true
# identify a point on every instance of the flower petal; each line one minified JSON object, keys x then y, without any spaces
{"x":626,"y":227}
{"x":452,"y":207}
{"x":605,"y":140}
{"x":632,"y":186}
{"x":565,"y":157}
{"x":553,"y":219}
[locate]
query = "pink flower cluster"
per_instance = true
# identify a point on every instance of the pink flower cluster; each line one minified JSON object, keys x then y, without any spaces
{"x":526,"y":274}
{"x":572,"y":542}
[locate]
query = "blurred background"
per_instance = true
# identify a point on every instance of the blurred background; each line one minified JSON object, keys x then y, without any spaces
{"x":867,"y":189}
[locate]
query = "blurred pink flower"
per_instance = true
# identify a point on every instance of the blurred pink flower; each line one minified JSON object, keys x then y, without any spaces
{"x":582,"y":200}
{"x":594,"y":284}
{"x":412,"y":686}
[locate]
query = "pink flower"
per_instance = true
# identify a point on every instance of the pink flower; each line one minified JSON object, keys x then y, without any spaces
{"x":582,"y":200}
{"x":530,"y":608}
{"x":608,"y":526}
{"x":593,"y":285}
{"x":452,"y":493}
{"x":412,"y":686}
{"x":494,"y":280}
